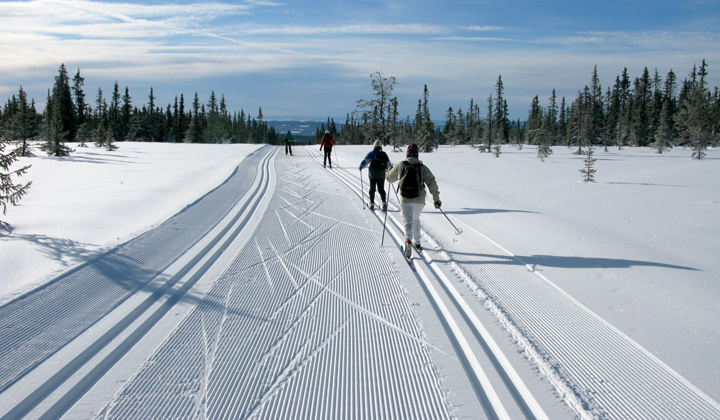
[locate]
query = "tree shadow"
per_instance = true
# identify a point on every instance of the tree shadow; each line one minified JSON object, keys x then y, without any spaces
{"x":561,"y":262}
{"x":101,"y":159}
{"x":65,"y":251}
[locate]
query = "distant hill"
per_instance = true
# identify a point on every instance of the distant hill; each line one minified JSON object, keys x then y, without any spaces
{"x":302,"y":131}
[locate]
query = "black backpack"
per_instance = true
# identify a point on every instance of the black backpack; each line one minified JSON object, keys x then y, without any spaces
{"x":379,"y":161}
{"x":411,"y":181}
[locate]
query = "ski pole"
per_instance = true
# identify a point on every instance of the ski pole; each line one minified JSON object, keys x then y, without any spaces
{"x":362,"y":192}
{"x":382,"y":241}
{"x":458,"y":231}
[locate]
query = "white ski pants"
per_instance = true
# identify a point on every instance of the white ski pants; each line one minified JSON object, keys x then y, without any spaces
{"x":411,"y":219}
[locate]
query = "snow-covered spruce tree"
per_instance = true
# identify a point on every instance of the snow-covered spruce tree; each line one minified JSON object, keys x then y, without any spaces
{"x":487,"y":136}
{"x":10,"y":193}
{"x":588,"y":171}
{"x":693,"y":117}
{"x":501,"y":120}
{"x":427,"y":139}
{"x":22,"y":122}
{"x":664,"y":136}
{"x":59,"y":116}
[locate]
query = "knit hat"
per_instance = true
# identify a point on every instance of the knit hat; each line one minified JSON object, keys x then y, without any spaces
{"x":376,"y":143}
{"x":412,"y":150}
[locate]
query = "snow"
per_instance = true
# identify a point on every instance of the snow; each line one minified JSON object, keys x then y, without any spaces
{"x":84,"y":204}
{"x":635,"y":249}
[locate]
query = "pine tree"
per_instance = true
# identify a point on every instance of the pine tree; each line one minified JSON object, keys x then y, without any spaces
{"x":501,"y":121}
{"x":489,"y":127}
{"x":59,"y":116}
{"x":23,"y":122}
{"x":125,"y":115}
{"x":426,"y":136}
{"x":693,"y":118}
{"x":79,"y":94}
{"x":10,"y":192}
{"x":663,"y":135}
{"x":588,"y":171}
{"x":99,"y":134}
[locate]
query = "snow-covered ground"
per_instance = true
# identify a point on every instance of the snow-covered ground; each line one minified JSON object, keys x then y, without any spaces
{"x":94,"y":199}
{"x":630,"y":258}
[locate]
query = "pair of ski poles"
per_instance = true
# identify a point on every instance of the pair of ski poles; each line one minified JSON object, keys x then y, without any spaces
{"x":458,"y":231}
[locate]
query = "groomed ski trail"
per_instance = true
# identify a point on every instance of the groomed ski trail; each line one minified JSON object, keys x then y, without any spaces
{"x":306,"y":322}
{"x":597,"y":370}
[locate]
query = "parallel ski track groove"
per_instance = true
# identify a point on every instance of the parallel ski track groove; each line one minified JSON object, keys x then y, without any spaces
{"x":613,"y":376}
{"x":286,"y":351}
{"x":70,"y":397}
{"x":39,"y":323}
{"x":486,"y":394}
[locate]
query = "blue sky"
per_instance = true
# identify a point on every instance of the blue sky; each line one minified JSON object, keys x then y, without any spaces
{"x":314,"y":58}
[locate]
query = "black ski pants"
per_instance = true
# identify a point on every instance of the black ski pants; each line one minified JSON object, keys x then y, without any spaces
{"x":288,"y":148}
{"x":328,"y":156}
{"x":378,"y":183}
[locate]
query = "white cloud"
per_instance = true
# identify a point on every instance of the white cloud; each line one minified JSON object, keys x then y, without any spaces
{"x":624,"y":41}
{"x":483,"y":28}
{"x":156,"y":43}
{"x":368,"y":29}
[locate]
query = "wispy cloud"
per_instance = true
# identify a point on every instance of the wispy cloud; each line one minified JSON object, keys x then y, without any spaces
{"x":366,"y":29}
{"x":192,"y":43}
{"x":648,"y":40}
{"x":476,"y":39}
{"x":483,"y":28}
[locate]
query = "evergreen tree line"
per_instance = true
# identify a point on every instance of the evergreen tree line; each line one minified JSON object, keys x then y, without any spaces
{"x":648,"y":111}
{"x":69,"y":117}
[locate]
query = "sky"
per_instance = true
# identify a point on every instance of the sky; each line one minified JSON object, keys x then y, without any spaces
{"x":313,"y":59}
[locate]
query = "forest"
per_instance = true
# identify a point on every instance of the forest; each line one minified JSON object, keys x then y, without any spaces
{"x":69,"y":117}
{"x":649,"y":111}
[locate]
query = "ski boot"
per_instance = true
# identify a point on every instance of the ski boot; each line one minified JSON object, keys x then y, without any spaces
{"x":408,"y":249}
{"x":384,"y":206}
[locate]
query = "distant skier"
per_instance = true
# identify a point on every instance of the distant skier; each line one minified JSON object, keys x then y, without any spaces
{"x":379,"y":164}
{"x":288,"y":139}
{"x":413,"y":177}
{"x":327,"y":142}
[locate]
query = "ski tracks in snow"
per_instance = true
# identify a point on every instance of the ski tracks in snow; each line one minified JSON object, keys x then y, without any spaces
{"x":599,"y":372}
{"x":285,"y":309}
{"x":316,"y":326}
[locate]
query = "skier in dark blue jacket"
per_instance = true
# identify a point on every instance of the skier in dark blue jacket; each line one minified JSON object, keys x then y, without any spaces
{"x":378,"y":162}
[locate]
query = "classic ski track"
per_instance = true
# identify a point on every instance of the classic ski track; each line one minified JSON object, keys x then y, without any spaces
{"x":611,"y":375}
{"x":599,"y":371}
{"x":31,"y":324}
{"x":424,"y":269}
{"x":321,"y":343}
{"x":170,"y":290}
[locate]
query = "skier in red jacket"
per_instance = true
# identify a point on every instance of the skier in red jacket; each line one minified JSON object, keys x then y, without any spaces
{"x":328,"y":142}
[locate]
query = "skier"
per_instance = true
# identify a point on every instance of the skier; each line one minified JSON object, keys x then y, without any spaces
{"x":413,"y":176}
{"x":379,"y":163}
{"x":288,"y":139}
{"x":328,"y":142}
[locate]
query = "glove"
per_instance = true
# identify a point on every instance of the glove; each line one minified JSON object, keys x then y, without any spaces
{"x":438,"y":203}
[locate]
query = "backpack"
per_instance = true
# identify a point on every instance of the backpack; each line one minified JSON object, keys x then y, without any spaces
{"x":410,"y":183}
{"x":379,"y":161}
